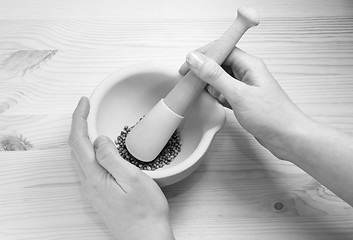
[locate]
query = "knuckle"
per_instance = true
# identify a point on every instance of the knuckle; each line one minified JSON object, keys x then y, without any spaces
{"x":241,"y":91}
{"x":258,"y":63}
{"x":255,"y":68}
{"x":213,"y":72}
{"x":135,"y":175}
{"x":104,"y":153}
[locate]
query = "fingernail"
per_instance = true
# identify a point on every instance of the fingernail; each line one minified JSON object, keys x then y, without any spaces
{"x":195,"y":59}
{"x":82,"y":99}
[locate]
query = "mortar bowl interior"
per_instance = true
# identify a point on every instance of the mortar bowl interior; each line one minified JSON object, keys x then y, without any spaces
{"x":124,"y":96}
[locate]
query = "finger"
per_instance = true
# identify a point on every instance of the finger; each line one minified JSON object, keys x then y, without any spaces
{"x":108,"y":157}
{"x":79,"y":120}
{"x":218,"y":95}
{"x":184,"y":69}
{"x":209,"y":71}
{"x":85,"y":158}
{"x":247,"y":68}
{"x":80,"y":143}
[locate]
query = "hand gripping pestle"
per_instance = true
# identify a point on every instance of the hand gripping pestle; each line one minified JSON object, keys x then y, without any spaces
{"x":148,"y":137}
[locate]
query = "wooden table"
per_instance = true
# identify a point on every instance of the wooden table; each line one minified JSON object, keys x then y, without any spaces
{"x":53,"y":52}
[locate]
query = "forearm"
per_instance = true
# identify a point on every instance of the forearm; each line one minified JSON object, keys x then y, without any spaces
{"x":326,"y":154}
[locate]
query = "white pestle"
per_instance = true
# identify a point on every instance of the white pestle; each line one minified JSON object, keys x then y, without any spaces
{"x":147,"y":139}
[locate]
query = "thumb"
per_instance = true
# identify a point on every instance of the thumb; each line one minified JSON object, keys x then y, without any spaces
{"x":210,"y":72}
{"x":108,"y":157}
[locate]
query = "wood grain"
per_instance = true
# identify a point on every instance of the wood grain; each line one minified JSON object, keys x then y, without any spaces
{"x":53,"y":52}
{"x":182,"y":9}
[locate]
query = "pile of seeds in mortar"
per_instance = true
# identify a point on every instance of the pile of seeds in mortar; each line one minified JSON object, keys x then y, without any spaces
{"x":169,"y":152}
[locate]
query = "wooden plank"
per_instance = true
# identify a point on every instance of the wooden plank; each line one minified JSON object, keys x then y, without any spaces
{"x":227,"y":197}
{"x":37,"y":132}
{"x":168,"y":9}
{"x":302,"y":34}
{"x":61,"y":80}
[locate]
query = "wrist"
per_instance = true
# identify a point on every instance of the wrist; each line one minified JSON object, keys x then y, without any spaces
{"x":287,"y":143}
{"x":303,"y":143}
{"x":299,"y":140}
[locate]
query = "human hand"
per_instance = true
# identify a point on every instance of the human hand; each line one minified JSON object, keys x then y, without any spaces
{"x":258,"y":102}
{"x":130,"y":202}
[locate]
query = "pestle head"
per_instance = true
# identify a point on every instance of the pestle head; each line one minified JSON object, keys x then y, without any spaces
{"x":150,"y":135}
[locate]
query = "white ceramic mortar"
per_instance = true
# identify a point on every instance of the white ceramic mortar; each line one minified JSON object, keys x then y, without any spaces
{"x":126,"y":95}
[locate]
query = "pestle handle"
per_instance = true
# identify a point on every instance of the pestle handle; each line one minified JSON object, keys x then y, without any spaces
{"x":190,"y":87}
{"x":148,"y":137}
